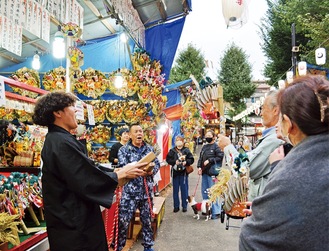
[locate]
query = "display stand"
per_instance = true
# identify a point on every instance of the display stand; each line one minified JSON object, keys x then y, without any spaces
{"x":165,"y":177}
{"x":40,"y":238}
{"x":14,"y":83}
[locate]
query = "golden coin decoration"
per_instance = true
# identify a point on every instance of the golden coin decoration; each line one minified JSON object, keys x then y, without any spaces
{"x":100,"y":155}
{"x":29,"y":77}
{"x":100,"y":134}
{"x":115,"y":110}
{"x":129,"y":82}
{"x":100,"y":108}
{"x":54,"y":80}
{"x":134,"y":112}
{"x":91,"y":83}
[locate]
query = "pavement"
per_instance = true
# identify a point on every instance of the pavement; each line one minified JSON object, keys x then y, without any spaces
{"x":181,"y":232}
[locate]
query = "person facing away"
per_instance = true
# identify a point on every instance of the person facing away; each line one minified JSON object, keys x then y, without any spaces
{"x":258,"y":157}
{"x":210,"y":155}
{"x":292,"y":214}
{"x":138,"y":192}
{"x":179,"y":157}
{"x":73,"y":186}
{"x":124,"y":138}
{"x":279,"y":153}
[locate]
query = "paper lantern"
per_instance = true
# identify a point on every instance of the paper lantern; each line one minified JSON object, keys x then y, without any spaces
{"x":302,"y":68}
{"x":282,"y":84}
{"x":320,"y":56}
{"x":290,"y":76}
{"x":234,"y":12}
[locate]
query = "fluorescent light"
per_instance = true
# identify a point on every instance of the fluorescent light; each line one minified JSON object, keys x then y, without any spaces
{"x":36,"y":61}
{"x":118,"y":82}
{"x":58,"y":44}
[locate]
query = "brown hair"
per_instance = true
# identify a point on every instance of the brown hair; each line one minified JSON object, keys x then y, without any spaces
{"x":49,"y":103}
{"x":306,"y":102}
{"x":212,"y":132}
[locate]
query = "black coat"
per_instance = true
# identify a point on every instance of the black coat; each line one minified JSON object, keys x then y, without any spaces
{"x":172,"y":156}
{"x":212,"y":153}
{"x":73,"y":188}
{"x":114,"y":152}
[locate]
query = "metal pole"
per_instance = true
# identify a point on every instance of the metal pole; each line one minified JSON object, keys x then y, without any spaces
{"x":293,"y":49}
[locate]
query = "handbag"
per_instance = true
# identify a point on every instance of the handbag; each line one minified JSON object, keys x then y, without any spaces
{"x":214,"y":169}
{"x":189,"y":169}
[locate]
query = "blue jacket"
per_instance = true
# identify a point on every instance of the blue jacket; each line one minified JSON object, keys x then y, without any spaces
{"x":130,"y":153}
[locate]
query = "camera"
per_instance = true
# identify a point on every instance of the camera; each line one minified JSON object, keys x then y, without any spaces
{"x":286,"y":148}
{"x":181,"y":158}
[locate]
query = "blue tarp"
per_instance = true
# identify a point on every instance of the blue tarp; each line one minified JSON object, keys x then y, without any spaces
{"x":175,"y":130}
{"x":173,"y":98}
{"x":162,"y":42}
{"x":104,"y":55}
{"x":177,"y":85}
{"x":173,"y":94}
{"x":109,"y":54}
{"x":320,"y":68}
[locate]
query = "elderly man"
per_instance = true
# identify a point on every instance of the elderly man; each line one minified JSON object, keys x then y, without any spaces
{"x":259,"y":164}
{"x":137,"y":193}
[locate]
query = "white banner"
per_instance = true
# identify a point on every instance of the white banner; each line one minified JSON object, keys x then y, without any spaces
{"x":79,"y":113}
{"x":91,"y":117}
{"x":2,"y":92}
{"x":17,"y":40}
{"x":29,"y":16}
{"x":45,"y":26}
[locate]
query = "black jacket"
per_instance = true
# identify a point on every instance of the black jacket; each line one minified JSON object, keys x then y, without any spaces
{"x":212,"y":153}
{"x":73,"y":188}
{"x":172,"y":156}
{"x":114,"y":152}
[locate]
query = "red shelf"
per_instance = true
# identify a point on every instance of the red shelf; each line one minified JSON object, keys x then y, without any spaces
{"x":34,"y":239}
{"x":14,"y":83}
{"x":18,"y":84}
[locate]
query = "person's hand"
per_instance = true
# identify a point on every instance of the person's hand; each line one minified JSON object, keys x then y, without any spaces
{"x":223,"y":141}
{"x":247,"y":211}
{"x":130,"y":171}
{"x":199,"y":171}
{"x":206,"y":162}
{"x":277,"y":154}
{"x":149,"y":167}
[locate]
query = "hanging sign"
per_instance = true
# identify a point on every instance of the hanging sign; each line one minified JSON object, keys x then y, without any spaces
{"x":91,"y":117}
{"x":79,"y":113}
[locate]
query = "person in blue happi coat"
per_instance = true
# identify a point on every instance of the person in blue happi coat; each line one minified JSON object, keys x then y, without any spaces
{"x":138,"y":192}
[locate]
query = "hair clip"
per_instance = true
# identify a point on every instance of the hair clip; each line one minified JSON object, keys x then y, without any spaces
{"x":323,"y":105}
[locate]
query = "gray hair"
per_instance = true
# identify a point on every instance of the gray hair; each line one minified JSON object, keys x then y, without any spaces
{"x":272,"y":96}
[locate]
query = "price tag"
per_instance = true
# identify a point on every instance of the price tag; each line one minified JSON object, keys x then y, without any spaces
{"x":79,"y":107}
{"x":91,"y":117}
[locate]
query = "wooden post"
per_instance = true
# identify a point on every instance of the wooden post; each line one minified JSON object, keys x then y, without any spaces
{"x":69,"y":43}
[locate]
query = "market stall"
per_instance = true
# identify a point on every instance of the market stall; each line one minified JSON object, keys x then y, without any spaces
{"x":90,"y":71}
{"x":20,"y":165}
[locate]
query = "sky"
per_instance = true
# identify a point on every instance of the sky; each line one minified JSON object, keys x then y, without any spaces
{"x":205,"y":28}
